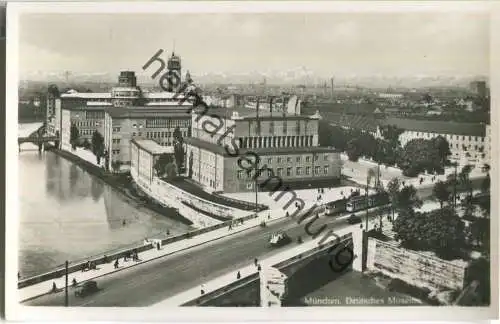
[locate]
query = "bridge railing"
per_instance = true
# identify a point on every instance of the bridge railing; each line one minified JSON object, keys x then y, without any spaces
{"x":203,"y":299}
{"x":312,"y":251}
{"x":120,"y":253}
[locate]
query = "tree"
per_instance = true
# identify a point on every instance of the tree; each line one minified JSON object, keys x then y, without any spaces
{"x":441,"y":231}
{"x":420,"y":155}
{"x":74,"y":135}
{"x":441,"y":192}
{"x":442,"y":148}
{"x":353,"y":151}
{"x":190,"y":169}
{"x":408,"y":199}
{"x":97,"y":142}
{"x":445,"y":232}
{"x":464,"y":178}
{"x":393,"y":191}
{"x":391,"y":134}
{"x":163,"y":165}
{"x":177,"y":135}
{"x":179,"y":152}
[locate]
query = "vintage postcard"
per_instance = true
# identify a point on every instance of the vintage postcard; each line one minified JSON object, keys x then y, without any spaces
{"x":210,"y":160}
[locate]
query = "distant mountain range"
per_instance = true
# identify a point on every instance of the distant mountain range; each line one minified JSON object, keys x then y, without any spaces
{"x":296,"y":76}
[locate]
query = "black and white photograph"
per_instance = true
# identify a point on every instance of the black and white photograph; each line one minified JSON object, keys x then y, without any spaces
{"x":251,"y":155}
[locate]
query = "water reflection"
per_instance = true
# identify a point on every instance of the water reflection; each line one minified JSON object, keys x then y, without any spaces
{"x":67,"y":214}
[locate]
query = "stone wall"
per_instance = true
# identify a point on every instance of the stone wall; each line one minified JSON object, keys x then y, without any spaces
{"x":415,"y":268}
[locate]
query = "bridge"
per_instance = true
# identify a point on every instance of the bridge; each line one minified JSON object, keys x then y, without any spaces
{"x":37,"y":135}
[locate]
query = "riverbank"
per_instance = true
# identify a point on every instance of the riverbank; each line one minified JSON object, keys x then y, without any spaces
{"x":123,"y":185}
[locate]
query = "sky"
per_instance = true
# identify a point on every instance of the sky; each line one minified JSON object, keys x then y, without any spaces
{"x":396,"y":44}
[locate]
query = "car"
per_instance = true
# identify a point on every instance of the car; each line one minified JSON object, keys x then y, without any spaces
{"x":279,"y":239}
{"x":88,"y":288}
{"x":353,"y":219}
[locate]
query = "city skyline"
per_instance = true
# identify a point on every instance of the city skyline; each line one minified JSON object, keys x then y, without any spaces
{"x":403,"y":44}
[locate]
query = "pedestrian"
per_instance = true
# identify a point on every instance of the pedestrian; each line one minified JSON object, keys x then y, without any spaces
{"x":238,"y":275}
{"x":255,"y":261}
{"x":116,"y":264}
{"x":74,"y":282}
{"x":259,"y":267}
{"x":287,"y":214}
{"x":168,"y":232}
{"x":54,"y":287}
{"x":269,"y":216}
{"x":158,"y":246}
{"x":124,"y":222}
{"x":202,"y":289}
{"x":18,"y":275}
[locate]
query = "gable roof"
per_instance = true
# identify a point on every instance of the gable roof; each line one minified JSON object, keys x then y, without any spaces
{"x":440,"y":127}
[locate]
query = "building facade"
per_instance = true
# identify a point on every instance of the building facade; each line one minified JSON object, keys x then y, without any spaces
{"x":285,"y":144}
{"x":123,"y":125}
{"x":144,"y":155}
{"x":469,"y":143}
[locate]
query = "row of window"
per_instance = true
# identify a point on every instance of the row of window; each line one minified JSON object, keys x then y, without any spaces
{"x":297,"y":128}
{"x":94,"y":114}
{"x":159,"y":134}
{"x":167,"y":123}
{"x":297,"y":159}
{"x":116,"y":129}
{"x":451,"y":137}
{"x":116,"y":141}
{"x":464,"y":147}
{"x":88,"y":123}
{"x":242,"y":174}
{"x":86,"y":131}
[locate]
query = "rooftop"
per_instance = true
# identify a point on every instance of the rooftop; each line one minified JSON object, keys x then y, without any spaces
{"x":367,"y":123}
{"x":440,"y":127}
{"x":152,"y":147}
{"x":148,"y":111}
{"x":219,"y":149}
{"x":247,"y":113}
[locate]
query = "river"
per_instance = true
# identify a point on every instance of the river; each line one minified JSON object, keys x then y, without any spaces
{"x":68,"y":214}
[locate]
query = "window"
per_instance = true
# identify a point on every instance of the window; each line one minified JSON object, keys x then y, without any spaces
{"x":316,"y":170}
{"x":288,"y":172}
{"x":280,"y":160}
{"x":325,"y":157}
{"x":469,"y":138}
{"x":269,"y":160}
{"x":316,"y":157}
{"x":299,"y":171}
{"x":240,"y":174}
{"x":325,"y":169}
{"x":271,"y":127}
{"x":463,"y":138}
{"x":249,"y":185}
{"x":308,"y":170}
{"x":289,"y":159}
{"x":308,"y":159}
{"x":284,"y":127}
{"x":298,"y":159}
{"x":280,"y":172}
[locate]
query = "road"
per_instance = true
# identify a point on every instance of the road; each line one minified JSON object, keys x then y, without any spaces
{"x":160,"y":279}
